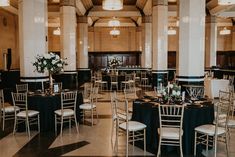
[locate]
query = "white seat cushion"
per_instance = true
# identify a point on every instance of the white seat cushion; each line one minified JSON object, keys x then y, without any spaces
{"x":231,"y":123}
{"x":10,"y":109}
{"x":209,"y":129}
{"x":66,"y":112}
{"x":31,"y":113}
{"x":87,"y":106}
{"x":133,"y":126}
{"x":170,"y":133}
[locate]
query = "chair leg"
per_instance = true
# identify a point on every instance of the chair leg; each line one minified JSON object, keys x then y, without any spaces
{"x":38,"y":123}
{"x":14,"y":129}
{"x":55,"y":124}
{"x":61,"y":124}
{"x":144,"y":142}
{"x":207,"y":144}
{"x":215,"y":146}
{"x":76,"y":123}
{"x":3,"y":122}
{"x":226,"y":140}
{"x":27,"y":123}
{"x":91,"y":117}
{"x":195,"y":144}
{"x":70,"y":124}
{"x":159,"y":147}
{"x":181,"y":150}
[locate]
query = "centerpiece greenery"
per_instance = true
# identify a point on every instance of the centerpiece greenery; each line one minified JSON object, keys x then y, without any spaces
{"x":172,"y":92}
{"x":113,"y":63}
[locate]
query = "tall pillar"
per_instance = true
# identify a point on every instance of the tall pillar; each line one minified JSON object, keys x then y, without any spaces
{"x":160,"y":40}
{"x":82,"y":48}
{"x":32,"y":38}
{"x":146,"y":56}
{"x":190,"y":69}
{"x":68,"y":24}
{"x":233,"y":37}
{"x":211,"y":41}
{"x":68,"y":33}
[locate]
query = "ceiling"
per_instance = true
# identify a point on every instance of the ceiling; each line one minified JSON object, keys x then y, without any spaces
{"x":131,"y":14}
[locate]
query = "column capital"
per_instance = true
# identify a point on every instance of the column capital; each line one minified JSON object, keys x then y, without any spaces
{"x":82,"y":19}
{"x":159,"y":2}
{"x":211,"y":19}
{"x":147,"y":19}
{"x":67,"y":3}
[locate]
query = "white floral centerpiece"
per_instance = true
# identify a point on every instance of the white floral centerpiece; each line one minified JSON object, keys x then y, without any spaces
{"x":172,"y":92}
{"x":113,"y":63}
{"x":51,"y":63}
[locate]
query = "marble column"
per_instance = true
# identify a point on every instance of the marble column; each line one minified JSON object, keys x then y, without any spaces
{"x":32,"y":38}
{"x":190,"y":67}
{"x":82,"y":48}
{"x":146,"y":56}
{"x":211,"y":42}
{"x":160,"y":41}
{"x":68,"y":24}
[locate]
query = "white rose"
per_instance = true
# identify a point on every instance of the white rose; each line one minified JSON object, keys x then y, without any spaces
{"x":178,"y":93}
{"x":47,"y":56}
{"x":171,"y":85}
{"x":44,"y":62}
{"x":173,"y":92}
{"x":53,"y":61}
{"x":57,"y":57}
{"x":164,"y":93}
{"x":39,"y":68}
{"x":59,"y":65}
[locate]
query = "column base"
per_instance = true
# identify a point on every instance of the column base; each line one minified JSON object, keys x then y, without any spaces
{"x":69,"y":79}
{"x":159,"y":76}
{"x":34,"y":83}
{"x":189,"y":80}
{"x":84,"y":75}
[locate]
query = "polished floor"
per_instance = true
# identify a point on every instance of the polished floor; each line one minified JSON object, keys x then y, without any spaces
{"x":91,"y":141}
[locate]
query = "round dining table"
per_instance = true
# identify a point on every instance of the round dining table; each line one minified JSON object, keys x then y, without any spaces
{"x":194,"y":115}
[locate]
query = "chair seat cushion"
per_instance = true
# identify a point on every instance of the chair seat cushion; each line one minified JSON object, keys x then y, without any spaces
{"x":209,"y":129}
{"x":170,"y":133}
{"x":133,"y":126}
{"x":10,"y":109}
{"x":231,"y":123}
{"x":31,"y":113}
{"x":66,"y":112}
{"x":87,"y":106}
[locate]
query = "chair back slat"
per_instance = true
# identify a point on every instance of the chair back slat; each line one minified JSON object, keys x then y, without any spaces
{"x":68,"y":100}
{"x":20,"y":88}
{"x":171,"y":115}
{"x":20,"y":100}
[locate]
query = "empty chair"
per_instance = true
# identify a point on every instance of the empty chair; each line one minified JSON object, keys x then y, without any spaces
{"x":29,"y":117}
{"x":99,"y":82}
{"x":114,"y":81}
{"x":20,"y":88}
{"x":87,"y":91}
{"x":171,"y":121}
{"x":67,"y":111}
{"x":8,"y":111}
{"x":134,"y":131}
{"x":208,"y":134}
{"x":90,"y":108}
{"x":126,"y":84}
{"x":143,"y":79}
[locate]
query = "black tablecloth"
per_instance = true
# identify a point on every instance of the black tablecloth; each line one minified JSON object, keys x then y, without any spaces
{"x":46,"y":105}
{"x":194,"y":116}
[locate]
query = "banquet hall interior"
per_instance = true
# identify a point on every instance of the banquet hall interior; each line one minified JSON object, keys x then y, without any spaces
{"x":117,"y":78}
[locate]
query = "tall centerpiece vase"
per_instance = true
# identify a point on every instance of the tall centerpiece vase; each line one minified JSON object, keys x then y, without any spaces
{"x":50,"y":83}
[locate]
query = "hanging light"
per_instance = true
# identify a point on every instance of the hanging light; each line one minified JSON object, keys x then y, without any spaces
{"x":56,"y":31}
{"x":112,"y":4}
{"x":114,"y":23}
{"x":4,"y":3}
{"x":225,"y":31}
{"x":115,"y":32}
{"x":226,"y":2}
{"x":171,"y":31}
